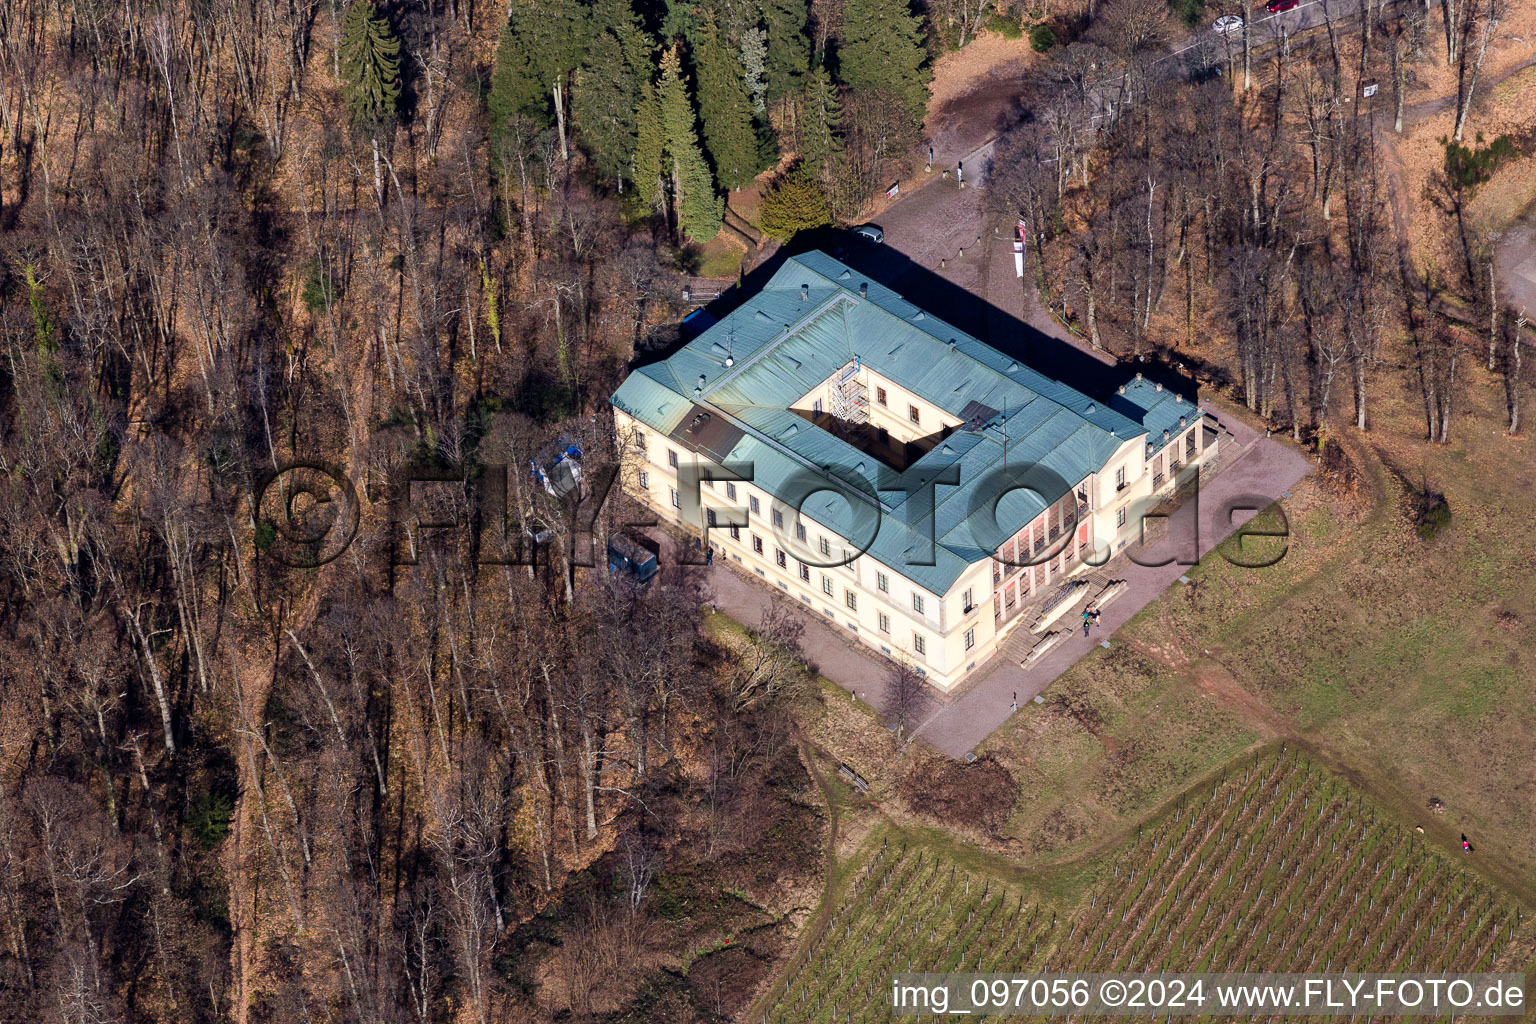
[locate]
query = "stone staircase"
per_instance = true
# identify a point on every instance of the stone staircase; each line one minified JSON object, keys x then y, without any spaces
{"x":1021,"y":641}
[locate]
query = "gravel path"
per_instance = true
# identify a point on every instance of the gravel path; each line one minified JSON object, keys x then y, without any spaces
{"x":955,"y":724}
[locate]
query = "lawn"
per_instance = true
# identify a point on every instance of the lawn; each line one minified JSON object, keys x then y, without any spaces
{"x":720,"y":257}
{"x":1406,"y":663}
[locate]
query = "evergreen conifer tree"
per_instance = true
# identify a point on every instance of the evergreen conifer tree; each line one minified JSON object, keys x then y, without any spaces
{"x":699,"y":209}
{"x":725,"y":109}
{"x":883,"y":51}
{"x":542,"y":43}
{"x":754,"y":64}
{"x":370,"y":65}
{"x":604,"y":98}
{"x":789,"y":46}
{"x":792,"y":204}
{"x":650,"y":149}
{"x":821,"y":119}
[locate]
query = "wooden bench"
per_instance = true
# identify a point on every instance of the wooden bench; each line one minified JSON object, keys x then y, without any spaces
{"x":853,"y":778}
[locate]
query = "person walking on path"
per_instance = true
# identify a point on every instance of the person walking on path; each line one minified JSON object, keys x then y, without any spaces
{"x":1096,"y":614}
{"x":1087,"y":620}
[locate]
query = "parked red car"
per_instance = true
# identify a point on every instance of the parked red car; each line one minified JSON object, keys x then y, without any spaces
{"x":1276,"y":6}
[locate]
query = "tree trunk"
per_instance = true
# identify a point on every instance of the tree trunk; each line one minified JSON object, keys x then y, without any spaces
{"x":558,"y":93}
{"x":1464,"y":93}
{"x":1092,"y":309}
{"x":1247,"y":55}
{"x":589,"y":776}
{"x":1360,"y":421}
{"x":1399,"y":85}
{"x":1493,"y":315}
{"x":1512,"y":377}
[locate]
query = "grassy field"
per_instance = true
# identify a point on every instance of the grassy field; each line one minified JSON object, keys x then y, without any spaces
{"x":1402,"y":662}
{"x":1399,"y":667}
{"x":1275,"y":865}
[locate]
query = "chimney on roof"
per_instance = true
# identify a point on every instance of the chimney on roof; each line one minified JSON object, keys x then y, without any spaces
{"x":1159,"y":385}
{"x":1182,"y":421}
{"x":1165,"y":435}
{"x":1122,"y":389}
{"x":1178,"y":399}
{"x":1138,"y":375}
{"x":805,"y":292}
{"x":863,"y":289}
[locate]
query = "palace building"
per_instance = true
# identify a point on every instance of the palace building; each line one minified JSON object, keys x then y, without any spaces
{"x":915,"y":486}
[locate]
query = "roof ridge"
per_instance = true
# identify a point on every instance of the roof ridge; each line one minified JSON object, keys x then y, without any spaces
{"x":957,"y":348}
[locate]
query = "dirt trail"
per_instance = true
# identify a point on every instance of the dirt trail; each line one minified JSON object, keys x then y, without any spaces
{"x":1393,"y":164}
{"x":818,"y":924}
{"x":1215,"y":681}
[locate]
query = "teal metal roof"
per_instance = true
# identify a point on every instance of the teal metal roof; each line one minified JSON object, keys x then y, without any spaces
{"x":1156,"y":409}
{"x":809,"y":321}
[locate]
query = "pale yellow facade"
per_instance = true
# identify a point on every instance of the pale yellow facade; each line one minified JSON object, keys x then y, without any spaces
{"x":946,"y":636}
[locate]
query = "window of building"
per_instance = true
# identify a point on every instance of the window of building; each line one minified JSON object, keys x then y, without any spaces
{"x":805,"y":572}
{"x":800,"y":532}
{"x":826,"y":547}
{"x":885,"y":622}
{"x":709,"y":516}
{"x":1120,"y":518}
{"x":757,"y":509}
{"x":919,"y":644}
{"x":965,"y":600}
{"x":708,"y":480}
{"x":883,"y":582}
{"x":851,"y":600}
{"x":880,"y":395}
{"x":672,"y":458}
{"x":826,"y":585}
{"x":1189,"y":445}
{"x":883,"y":436}
{"x":778,"y":556}
{"x":1119,"y":478}
{"x":778,"y":519}
{"x":816,"y":407}
{"x":677,"y":499}
{"x":645,"y":480}
{"x":640,"y":440}
{"x":917,"y":603}
{"x":757,"y":543}
{"x":735,"y":531}
{"x":730,"y":491}
{"x":914,"y":414}
{"x":970,"y":638}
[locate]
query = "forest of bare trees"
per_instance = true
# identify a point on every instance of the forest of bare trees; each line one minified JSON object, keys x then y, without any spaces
{"x":424,"y":239}
{"x":240,"y":236}
{"x":1263,"y":208}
